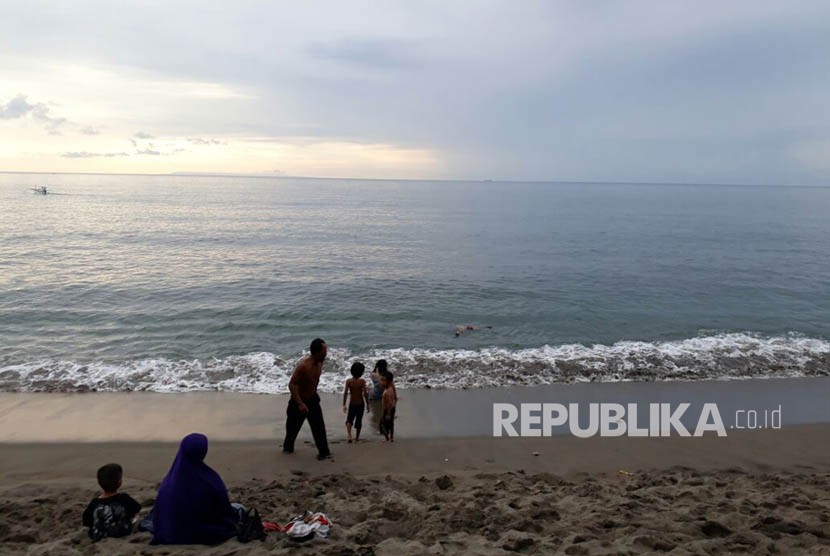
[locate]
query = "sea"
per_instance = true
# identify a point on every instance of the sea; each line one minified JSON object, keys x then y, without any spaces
{"x":180,"y":283}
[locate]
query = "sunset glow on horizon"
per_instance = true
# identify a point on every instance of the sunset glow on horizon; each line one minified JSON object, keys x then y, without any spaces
{"x":634,"y":91}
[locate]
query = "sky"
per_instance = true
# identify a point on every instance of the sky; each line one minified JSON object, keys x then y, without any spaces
{"x":659,"y":91}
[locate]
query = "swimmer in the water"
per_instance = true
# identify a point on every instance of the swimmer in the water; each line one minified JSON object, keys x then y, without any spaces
{"x":460,"y":329}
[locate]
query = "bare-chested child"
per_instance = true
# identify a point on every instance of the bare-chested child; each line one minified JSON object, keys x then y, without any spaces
{"x":357,"y":390}
{"x":389,"y":401}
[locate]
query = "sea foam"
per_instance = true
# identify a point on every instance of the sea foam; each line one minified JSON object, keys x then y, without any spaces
{"x":721,"y":356}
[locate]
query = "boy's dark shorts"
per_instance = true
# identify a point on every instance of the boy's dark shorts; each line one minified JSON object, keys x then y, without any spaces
{"x":355,"y":415}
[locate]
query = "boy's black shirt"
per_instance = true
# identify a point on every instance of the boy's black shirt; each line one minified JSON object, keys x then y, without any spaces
{"x":131,"y":507}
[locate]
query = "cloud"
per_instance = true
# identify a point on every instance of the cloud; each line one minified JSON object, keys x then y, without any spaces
{"x":86,"y":154}
{"x":143,"y":146}
{"x":627,"y":91}
{"x":201,"y":141}
{"x":812,"y":155}
{"x":18,"y":107}
{"x":377,"y":53}
{"x":89,"y":130}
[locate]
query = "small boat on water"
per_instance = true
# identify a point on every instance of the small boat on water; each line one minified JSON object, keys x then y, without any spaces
{"x":40,"y":190}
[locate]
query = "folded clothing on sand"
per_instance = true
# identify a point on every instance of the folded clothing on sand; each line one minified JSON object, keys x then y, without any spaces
{"x":309,"y":525}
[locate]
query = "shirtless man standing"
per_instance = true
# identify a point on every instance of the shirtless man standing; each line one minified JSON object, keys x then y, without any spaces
{"x":305,"y":403}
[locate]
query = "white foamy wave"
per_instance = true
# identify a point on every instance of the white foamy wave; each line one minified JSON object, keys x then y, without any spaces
{"x":722,"y":356}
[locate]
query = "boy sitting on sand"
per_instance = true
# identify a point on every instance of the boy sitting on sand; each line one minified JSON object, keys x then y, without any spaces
{"x":359,"y":402}
{"x":388,"y":401}
{"x":110,"y":514}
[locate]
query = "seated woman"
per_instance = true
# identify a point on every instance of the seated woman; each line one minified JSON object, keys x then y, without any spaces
{"x":192,"y":506}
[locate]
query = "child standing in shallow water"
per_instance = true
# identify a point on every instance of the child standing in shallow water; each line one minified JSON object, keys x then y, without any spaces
{"x":359,"y":402}
{"x":389,"y":401}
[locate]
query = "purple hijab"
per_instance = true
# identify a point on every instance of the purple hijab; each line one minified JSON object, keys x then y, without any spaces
{"x":192,"y":506}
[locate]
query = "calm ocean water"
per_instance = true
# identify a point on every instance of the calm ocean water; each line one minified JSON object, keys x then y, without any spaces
{"x":180,"y":283}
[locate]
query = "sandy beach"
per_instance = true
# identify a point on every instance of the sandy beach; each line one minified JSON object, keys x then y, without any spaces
{"x":758,"y":492}
{"x":424,"y":413}
{"x":563,"y":267}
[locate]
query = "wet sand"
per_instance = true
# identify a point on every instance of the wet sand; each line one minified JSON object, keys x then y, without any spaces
{"x":147,"y":416}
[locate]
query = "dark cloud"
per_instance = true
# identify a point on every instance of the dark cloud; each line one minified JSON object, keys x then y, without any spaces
{"x":89,"y":130}
{"x":20,"y":107}
{"x":142,"y":135}
{"x":149,"y":151}
{"x":16,"y":108}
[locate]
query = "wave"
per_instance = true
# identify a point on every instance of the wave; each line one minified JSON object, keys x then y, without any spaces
{"x":721,"y":356}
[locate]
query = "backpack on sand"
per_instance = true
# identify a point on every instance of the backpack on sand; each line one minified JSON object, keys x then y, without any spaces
{"x":250,"y":527}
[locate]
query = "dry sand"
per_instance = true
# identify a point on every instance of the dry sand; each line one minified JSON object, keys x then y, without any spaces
{"x":759,"y":492}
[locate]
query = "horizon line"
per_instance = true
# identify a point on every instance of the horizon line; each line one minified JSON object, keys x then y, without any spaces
{"x":265,"y":175}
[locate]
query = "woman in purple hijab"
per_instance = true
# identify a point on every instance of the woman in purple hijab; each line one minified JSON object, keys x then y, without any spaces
{"x":192,"y":506}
